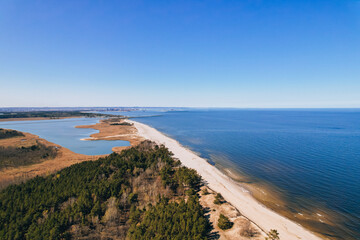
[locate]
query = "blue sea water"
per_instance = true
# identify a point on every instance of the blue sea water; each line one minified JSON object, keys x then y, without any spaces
{"x":64,"y":133}
{"x":312,"y":157}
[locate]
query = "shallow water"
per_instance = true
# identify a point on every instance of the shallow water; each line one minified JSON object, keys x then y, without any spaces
{"x":309,"y":158}
{"x":64,"y":133}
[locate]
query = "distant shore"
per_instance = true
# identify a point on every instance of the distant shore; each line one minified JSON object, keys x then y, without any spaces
{"x":48,"y":115}
{"x":33,"y":119}
{"x":239,"y":197}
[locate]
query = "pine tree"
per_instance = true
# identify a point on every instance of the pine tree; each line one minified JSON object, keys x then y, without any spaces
{"x":273,"y":235}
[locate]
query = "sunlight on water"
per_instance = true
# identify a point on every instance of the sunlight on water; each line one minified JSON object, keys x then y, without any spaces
{"x":307,"y":160}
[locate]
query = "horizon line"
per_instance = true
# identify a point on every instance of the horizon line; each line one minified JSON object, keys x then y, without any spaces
{"x":184,"y":107}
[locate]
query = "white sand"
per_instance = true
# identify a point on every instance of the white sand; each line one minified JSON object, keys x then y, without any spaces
{"x":230,"y":190}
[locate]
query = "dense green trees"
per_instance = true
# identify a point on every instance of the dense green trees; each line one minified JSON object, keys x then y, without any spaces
{"x":170,"y":220}
{"x":86,"y":198}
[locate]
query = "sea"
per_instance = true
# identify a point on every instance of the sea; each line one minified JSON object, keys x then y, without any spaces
{"x":302,"y":163}
{"x":306,"y":162}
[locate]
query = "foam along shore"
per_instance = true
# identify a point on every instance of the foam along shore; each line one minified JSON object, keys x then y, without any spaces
{"x":262,"y":216}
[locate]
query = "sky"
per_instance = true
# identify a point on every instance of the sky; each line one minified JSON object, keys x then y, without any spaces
{"x":211,"y":53}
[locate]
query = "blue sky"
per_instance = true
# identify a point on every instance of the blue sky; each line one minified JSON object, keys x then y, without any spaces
{"x":180,"y":53}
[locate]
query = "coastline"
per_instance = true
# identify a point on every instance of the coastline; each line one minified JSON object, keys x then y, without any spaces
{"x":319,"y":220}
{"x":34,"y":118}
{"x":64,"y":158}
{"x":239,"y":197}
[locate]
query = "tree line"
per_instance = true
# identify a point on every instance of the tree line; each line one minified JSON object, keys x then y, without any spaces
{"x":141,"y":193}
{"x":51,"y":114}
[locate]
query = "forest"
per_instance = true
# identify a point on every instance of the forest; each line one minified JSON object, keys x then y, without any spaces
{"x":141,"y":193}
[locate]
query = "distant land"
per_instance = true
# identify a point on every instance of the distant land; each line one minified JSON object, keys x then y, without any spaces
{"x":125,"y":109}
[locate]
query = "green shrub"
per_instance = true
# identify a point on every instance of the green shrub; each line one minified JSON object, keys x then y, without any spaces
{"x":224,"y":223}
{"x":219,"y":199}
{"x":205,"y":191}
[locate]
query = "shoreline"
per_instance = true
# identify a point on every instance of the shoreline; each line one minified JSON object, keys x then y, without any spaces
{"x":235,"y":194}
{"x":65,"y":158}
{"x":319,"y":219}
{"x":35,"y":118}
{"x":109,"y":132}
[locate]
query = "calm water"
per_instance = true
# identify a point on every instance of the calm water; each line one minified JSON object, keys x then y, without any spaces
{"x":64,"y":133}
{"x":311,"y":157}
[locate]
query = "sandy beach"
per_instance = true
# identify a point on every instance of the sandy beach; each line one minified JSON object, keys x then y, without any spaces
{"x":238,"y":196}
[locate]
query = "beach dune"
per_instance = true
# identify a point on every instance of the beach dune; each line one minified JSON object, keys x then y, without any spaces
{"x":263,"y":217}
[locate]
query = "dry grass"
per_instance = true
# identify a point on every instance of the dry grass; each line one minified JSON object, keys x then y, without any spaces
{"x":64,"y":157}
{"x":114,"y":132}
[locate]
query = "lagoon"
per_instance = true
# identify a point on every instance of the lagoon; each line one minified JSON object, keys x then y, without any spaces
{"x":64,"y":133}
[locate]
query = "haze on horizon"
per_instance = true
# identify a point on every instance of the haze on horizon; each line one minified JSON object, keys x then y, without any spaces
{"x":180,"y":53}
